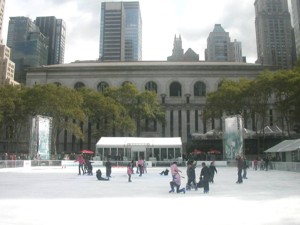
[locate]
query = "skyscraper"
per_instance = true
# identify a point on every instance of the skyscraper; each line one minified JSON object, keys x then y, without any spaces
{"x":273,"y":33}
{"x":220,"y":48}
{"x":2,"y":5}
{"x":7,"y":67}
{"x":29,"y":47}
{"x":120,"y":31}
{"x":55,"y":30}
{"x":296,"y":24}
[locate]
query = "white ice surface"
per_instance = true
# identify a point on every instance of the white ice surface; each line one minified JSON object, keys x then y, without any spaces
{"x":57,"y":196}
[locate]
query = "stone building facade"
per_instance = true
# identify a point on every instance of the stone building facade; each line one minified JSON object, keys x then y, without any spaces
{"x":181,"y":88}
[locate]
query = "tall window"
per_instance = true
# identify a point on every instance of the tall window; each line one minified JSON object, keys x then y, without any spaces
{"x":199,"y":89}
{"x":175,"y":89}
{"x":151,"y":86}
{"x":102,"y":86}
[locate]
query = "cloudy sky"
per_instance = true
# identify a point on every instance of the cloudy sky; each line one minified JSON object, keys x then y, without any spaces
{"x":162,"y":19}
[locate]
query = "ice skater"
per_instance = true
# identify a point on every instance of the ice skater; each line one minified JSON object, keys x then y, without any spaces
{"x":89,"y":167}
{"x":129,"y":171}
{"x":141,"y":166}
{"x":240,"y":169}
{"x":108,"y":168}
{"x":191,"y":174}
{"x":174,"y":169}
{"x":176,"y":183}
{"x":205,"y":176}
{"x":213,"y":170}
{"x":81,"y":162}
{"x":164,"y":172}
{"x":99,"y":176}
{"x":245,"y":167}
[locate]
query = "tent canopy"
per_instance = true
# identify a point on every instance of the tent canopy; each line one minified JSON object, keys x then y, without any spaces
{"x":285,"y":146}
{"x":124,"y":142}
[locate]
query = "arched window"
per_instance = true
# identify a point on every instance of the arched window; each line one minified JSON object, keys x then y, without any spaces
{"x":175,"y":89}
{"x":151,"y":86}
{"x":199,"y":89}
{"x":79,"y":85}
{"x":102,"y":86}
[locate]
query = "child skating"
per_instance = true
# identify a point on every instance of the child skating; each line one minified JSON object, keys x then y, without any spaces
{"x":129,"y":171}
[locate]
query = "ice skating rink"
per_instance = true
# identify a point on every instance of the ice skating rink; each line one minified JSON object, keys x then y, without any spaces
{"x":58,"y":196}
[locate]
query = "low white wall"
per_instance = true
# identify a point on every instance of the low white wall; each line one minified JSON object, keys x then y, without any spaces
{"x":217,"y":163}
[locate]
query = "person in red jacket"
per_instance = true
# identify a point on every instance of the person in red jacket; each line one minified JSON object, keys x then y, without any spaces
{"x":81,"y":162}
{"x":129,"y":171}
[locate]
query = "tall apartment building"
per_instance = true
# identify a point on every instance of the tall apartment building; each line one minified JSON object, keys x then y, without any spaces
{"x":55,"y":30}
{"x":273,"y":33}
{"x":220,"y":48}
{"x":29,"y":47}
{"x":7,"y":67}
{"x":2,"y":6}
{"x":236,"y":48}
{"x":296,"y":24}
{"x":120,"y":31}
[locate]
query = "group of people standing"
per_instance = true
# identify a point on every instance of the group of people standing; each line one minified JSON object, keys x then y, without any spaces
{"x":206,"y":176}
{"x":141,"y":168}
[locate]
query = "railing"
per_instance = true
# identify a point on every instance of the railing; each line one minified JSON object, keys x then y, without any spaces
{"x":283,"y":166}
{"x":24,"y":163}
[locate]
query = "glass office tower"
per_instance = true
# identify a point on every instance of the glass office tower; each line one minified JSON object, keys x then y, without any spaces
{"x":120,"y":31}
{"x":273,"y":33}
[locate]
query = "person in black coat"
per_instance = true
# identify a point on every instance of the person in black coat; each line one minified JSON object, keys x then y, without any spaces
{"x":213,"y":170}
{"x":205,"y":176}
{"x":240,"y":165}
{"x":191,"y":174}
{"x":164,"y":172}
{"x":99,"y":175}
{"x":108,"y":168}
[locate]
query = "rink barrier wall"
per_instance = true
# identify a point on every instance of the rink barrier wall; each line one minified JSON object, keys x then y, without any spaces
{"x":282,"y":166}
{"x":72,"y":163}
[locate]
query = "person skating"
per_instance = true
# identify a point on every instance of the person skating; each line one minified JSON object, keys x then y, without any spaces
{"x":81,"y":162}
{"x":174,"y":169}
{"x":129,"y":171}
{"x":99,"y":176}
{"x":164,"y":172}
{"x":191,"y":174}
{"x":240,"y":169}
{"x":89,"y":167}
{"x":176,"y":183}
{"x":205,"y":176}
{"x":213,"y":170}
{"x":141,"y":166}
{"x":108,"y":168}
{"x":245,"y":167}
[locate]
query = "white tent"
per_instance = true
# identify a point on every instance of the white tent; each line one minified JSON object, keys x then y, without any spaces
{"x":129,"y":148}
{"x":289,"y":150}
{"x":285,"y":146}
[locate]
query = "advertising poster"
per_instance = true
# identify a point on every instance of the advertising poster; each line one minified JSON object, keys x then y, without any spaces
{"x":233,"y":141}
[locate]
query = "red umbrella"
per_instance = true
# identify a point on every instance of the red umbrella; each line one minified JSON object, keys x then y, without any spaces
{"x":198,"y":152}
{"x":87,"y":151}
{"x":213,"y":151}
